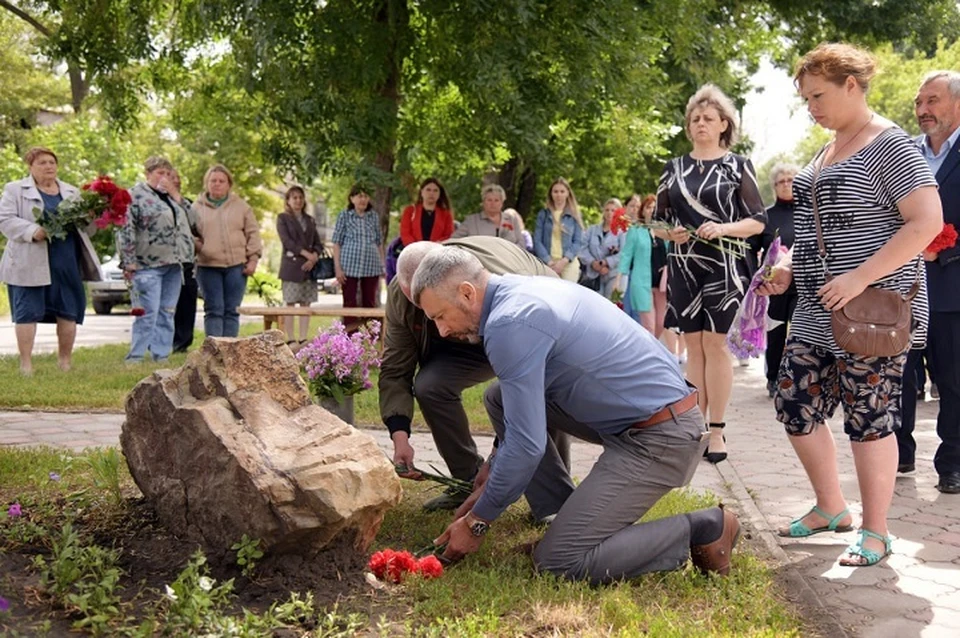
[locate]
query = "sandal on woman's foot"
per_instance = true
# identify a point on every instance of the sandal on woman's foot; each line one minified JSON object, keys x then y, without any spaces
{"x":860,"y":556}
{"x":799,"y":529}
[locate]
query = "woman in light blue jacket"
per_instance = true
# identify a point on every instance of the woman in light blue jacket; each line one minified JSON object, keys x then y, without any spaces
{"x":601,"y":251}
{"x":558,"y":235}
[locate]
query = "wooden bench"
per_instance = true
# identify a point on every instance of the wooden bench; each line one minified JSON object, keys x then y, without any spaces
{"x":271,"y":314}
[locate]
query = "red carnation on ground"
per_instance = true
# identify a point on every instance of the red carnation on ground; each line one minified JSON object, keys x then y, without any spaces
{"x":946,"y":239}
{"x":430,"y":567}
{"x":393,"y":566}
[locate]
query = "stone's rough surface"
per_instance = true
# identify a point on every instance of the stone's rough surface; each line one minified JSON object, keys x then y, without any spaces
{"x":231,"y":444}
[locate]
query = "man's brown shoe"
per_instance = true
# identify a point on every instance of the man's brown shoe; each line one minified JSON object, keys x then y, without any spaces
{"x":715,"y":556}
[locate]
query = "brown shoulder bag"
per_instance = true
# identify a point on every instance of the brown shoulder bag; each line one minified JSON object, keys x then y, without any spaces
{"x":877,"y":322}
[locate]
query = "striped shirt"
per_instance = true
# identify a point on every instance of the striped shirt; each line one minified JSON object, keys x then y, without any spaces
{"x":359,"y":239}
{"x":857,"y":199}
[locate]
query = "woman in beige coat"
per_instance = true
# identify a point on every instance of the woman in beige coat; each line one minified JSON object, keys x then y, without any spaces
{"x":44,"y":276}
{"x":228,"y":249}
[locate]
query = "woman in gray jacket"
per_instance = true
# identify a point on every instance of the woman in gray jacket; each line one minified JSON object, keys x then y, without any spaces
{"x":44,"y":276}
{"x":601,"y":251}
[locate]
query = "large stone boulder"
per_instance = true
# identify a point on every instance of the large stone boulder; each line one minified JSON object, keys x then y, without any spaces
{"x":231,"y":444}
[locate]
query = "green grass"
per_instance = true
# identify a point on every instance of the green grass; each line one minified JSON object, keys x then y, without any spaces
{"x":494,"y":592}
{"x":100,"y":381}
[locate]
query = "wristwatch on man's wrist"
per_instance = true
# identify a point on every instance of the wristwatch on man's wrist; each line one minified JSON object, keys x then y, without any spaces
{"x":477,"y":526}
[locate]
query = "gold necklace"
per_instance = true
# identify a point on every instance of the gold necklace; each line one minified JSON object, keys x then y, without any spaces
{"x":848,"y":142}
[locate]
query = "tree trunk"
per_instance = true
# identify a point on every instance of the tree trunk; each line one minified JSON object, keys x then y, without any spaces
{"x":527,"y":196}
{"x":519,"y":181}
{"x":507,"y":178}
{"x":79,"y":87}
{"x":384,"y":193}
{"x":394,"y":15}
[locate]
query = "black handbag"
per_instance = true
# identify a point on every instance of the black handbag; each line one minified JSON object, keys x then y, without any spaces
{"x":323,"y":269}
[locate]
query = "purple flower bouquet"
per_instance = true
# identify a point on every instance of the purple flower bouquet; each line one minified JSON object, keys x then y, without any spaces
{"x":338,"y":364}
{"x":748,"y":335}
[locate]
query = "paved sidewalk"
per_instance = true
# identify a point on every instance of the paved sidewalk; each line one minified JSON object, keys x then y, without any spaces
{"x":914,"y":593}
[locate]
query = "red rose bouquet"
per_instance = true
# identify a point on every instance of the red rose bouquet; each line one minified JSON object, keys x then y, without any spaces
{"x":101,"y":202}
{"x":946,"y":239}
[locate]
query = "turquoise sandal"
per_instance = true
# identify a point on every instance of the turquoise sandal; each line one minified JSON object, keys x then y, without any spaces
{"x":799,"y":530}
{"x":869,"y":556}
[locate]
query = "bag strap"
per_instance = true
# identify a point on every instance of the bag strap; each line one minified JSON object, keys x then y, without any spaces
{"x":821,"y":246}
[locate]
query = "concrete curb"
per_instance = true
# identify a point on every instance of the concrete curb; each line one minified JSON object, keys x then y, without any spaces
{"x":797,"y":584}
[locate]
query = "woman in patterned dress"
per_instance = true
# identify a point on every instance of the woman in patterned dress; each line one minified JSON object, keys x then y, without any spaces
{"x":714,"y":192}
{"x":358,"y":256}
{"x":879,"y":209}
{"x":301,"y":251}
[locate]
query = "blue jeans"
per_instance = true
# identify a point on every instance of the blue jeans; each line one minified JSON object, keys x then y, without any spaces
{"x":156,"y":290}
{"x":222,"y":290}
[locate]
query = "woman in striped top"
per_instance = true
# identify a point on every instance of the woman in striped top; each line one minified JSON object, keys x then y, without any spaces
{"x":879,"y":208}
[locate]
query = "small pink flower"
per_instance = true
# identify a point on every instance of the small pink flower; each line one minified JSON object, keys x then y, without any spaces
{"x":4,"y":605}
{"x":15,"y":511}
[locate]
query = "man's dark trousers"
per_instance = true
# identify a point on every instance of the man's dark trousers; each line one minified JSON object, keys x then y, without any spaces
{"x":438,"y":388}
{"x":944,"y":335}
{"x":906,"y":444}
{"x":186,"y":315}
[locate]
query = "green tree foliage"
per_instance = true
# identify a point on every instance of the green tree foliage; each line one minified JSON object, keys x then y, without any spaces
{"x":26,"y":84}
{"x":103,"y":43}
{"x":908,"y":24}
{"x":895,"y":87}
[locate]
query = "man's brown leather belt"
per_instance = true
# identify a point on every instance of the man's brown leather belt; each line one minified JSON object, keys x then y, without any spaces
{"x":686,"y":403}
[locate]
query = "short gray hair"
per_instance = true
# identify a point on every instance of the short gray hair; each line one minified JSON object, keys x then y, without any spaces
{"x":952,"y":78}
{"x":445,"y":269}
{"x":781,"y":168}
{"x":154,"y":162}
{"x":410,"y":259}
{"x":493,"y":188}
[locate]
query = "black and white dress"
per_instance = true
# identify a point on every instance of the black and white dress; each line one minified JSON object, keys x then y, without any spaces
{"x":705,"y":285}
{"x":857,"y":199}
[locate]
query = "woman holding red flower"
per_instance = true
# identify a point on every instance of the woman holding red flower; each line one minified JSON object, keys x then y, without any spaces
{"x":44,"y":275}
{"x":493,"y":221}
{"x":601,"y":251}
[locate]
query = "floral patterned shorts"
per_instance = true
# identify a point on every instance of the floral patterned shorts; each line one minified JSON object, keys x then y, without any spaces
{"x":813,"y":381}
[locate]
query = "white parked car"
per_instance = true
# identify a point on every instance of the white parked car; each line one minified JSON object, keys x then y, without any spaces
{"x":110,"y":292}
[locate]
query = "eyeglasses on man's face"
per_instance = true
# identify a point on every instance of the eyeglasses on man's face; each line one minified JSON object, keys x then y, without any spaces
{"x":785,"y":180}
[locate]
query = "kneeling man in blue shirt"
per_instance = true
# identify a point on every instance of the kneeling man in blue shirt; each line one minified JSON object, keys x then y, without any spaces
{"x":566,"y":356}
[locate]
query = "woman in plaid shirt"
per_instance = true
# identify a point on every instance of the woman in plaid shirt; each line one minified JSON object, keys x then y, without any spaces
{"x":358,"y":252}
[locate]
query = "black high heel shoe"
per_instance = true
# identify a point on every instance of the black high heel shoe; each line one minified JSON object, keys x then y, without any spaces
{"x":715,"y":457}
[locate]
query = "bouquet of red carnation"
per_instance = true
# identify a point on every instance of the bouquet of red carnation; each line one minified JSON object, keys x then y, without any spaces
{"x":620,"y":222}
{"x":394,"y":566}
{"x":101,"y":202}
{"x":946,"y":239}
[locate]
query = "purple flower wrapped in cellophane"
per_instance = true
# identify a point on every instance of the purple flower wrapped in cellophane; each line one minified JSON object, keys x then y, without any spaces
{"x":338,"y":364}
{"x":748,"y":335}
